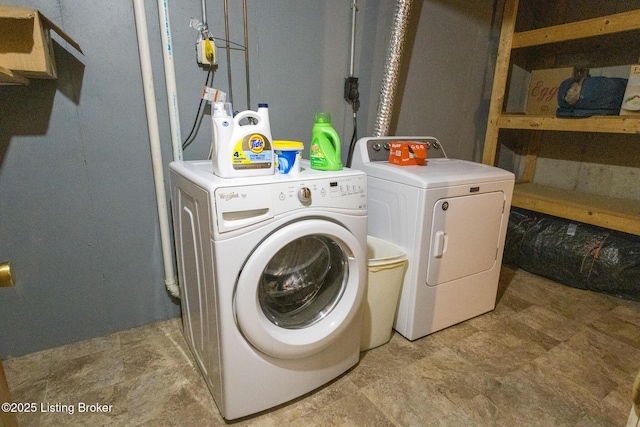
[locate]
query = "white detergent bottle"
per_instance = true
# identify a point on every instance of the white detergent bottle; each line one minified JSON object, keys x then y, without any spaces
{"x":241,"y":149}
{"x":222,"y":128}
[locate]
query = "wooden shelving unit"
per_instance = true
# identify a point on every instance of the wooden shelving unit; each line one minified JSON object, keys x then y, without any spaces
{"x":612,"y":39}
{"x":610,"y":212}
{"x":595,"y":27}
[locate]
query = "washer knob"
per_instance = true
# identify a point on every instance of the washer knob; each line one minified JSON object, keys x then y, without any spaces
{"x":304,"y":195}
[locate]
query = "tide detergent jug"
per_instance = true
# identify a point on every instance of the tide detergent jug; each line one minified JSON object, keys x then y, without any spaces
{"x":325,"y":145}
{"x":241,"y":149}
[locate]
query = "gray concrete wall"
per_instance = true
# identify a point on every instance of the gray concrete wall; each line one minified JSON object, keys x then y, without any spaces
{"x":77,"y":204}
{"x":449,"y":74}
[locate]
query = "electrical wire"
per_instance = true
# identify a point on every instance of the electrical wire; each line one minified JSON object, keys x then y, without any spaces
{"x":198,"y":118}
{"x":239,"y":46}
{"x":210,"y":155}
{"x":354,"y":138}
{"x":191,"y":137}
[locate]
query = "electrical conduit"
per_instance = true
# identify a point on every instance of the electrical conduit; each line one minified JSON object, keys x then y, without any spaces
{"x":154,"y":142}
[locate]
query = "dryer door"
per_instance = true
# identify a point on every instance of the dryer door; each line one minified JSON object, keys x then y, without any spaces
{"x":465,"y":234}
{"x":300,"y":288}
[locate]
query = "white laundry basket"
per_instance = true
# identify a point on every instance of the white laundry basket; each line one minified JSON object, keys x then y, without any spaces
{"x":386,"y":267}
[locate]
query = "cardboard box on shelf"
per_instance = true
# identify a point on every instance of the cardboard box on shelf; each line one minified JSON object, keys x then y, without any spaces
{"x":407,"y":153}
{"x":542,"y":97}
{"x":26,"y":48}
{"x":631,"y":98}
{"x":9,"y":77}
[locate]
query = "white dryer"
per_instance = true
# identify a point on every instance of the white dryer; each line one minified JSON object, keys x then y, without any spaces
{"x":272,"y":273}
{"x":450,"y":217}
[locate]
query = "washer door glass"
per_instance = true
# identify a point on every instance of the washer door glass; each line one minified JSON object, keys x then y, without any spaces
{"x":300,"y":288}
{"x":303,"y":282}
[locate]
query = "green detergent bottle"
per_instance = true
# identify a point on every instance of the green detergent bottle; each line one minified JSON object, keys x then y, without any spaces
{"x":325,"y":145}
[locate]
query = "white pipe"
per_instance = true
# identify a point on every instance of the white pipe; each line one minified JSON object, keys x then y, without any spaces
{"x":154,"y":142}
{"x":203,"y":6}
{"x":228,"y":48}
{"x":246,"y":52}
{"x":170,"y":79}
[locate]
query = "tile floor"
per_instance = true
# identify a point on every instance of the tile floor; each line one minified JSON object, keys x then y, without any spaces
{"x":549,"y":355}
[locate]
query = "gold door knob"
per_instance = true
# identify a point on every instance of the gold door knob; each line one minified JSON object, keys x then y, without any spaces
{"x":5,"y":275}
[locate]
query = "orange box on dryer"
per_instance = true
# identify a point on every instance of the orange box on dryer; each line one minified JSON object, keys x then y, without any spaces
{"x":408,"y":153}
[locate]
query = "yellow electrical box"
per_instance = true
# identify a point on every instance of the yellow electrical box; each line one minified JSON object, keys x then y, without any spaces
{"x":26,"y":48}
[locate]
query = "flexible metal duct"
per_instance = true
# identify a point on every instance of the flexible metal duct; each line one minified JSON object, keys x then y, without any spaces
{"x":392,"y":68}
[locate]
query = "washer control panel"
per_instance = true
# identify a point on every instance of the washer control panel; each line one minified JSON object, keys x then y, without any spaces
{"x":242,"y":205}
{"x":349,"y":192}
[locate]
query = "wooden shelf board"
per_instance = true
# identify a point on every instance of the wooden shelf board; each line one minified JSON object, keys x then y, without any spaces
{"x":609,"y":212}
{"x":592,"y":52}
{"x":598,"y":124}
{"x":611,"y":24}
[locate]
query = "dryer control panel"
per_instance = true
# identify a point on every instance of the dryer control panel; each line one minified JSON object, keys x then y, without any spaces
{"x":377,"y":149}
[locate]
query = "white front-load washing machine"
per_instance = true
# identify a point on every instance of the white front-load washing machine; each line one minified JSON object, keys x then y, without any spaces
{"x":450,"y":217}
{"x":272,"y":272}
